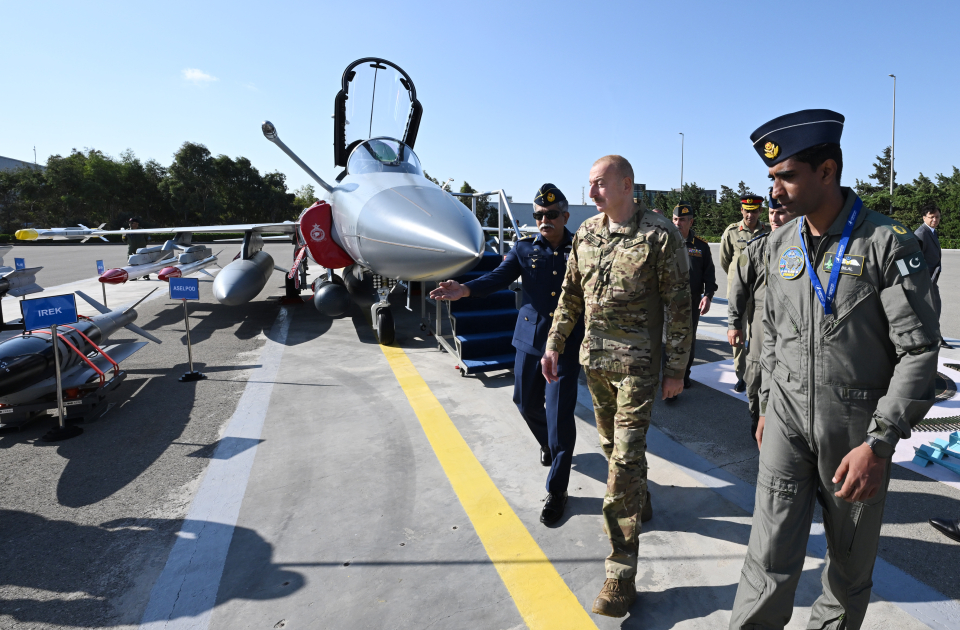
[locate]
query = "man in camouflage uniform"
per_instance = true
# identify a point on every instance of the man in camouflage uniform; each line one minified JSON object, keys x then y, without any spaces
{"x":628,"y":275}
{"x":849,"y":363}
{"x":732,"y":244}
{"x":747,"y":284}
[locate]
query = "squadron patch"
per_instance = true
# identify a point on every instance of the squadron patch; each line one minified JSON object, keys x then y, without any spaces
{"x":852,"y":265}
{"x":791,"y":263}
{"x":911,"y":264}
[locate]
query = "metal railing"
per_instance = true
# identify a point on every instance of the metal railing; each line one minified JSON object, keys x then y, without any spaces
{"x":434,"y":323}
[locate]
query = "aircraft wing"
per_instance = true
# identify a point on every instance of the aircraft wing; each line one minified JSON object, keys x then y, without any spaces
{"x":286,"y":227}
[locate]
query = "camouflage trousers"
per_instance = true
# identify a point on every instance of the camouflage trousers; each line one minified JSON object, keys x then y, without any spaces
{"x":622,"y":404}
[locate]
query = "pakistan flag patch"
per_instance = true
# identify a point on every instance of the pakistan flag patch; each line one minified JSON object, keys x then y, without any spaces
{"x":911,"y":264}
{"x":852,"y":264}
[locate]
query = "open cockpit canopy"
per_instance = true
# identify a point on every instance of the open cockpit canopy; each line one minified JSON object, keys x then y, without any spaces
{"x":377,"y":99}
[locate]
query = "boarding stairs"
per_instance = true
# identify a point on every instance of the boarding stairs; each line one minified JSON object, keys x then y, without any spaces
{"x":478,"y":331}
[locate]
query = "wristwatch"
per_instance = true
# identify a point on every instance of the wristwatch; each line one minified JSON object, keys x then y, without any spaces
{"x":881,"y":449}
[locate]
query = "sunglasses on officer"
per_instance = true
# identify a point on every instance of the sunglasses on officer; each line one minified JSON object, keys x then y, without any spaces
{"x":550,"y":214}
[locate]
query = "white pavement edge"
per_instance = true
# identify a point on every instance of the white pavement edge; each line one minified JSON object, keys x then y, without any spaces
{"x":186,"y":591}
{"x":918,"y":600}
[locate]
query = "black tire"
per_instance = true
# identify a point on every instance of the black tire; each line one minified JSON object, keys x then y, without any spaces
{"x":385,"y":328}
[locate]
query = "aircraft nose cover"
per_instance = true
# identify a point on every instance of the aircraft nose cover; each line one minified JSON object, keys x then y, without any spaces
{"x":315,"y":229}
{"x":419,"y":233}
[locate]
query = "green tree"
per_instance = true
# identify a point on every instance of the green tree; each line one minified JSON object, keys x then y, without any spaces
{"x":486,"y":211}
{"x":305,"y":196}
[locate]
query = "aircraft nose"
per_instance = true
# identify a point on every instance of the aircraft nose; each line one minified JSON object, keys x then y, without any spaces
{"x":419,"y":233}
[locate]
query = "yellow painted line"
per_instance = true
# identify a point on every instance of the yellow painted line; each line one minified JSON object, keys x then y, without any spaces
{"x":542,"y":597}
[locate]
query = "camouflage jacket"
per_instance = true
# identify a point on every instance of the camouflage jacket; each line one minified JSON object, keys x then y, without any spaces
{"x":735,"y":239}
{"x":633,"y":288}
{"x":746,"y":287}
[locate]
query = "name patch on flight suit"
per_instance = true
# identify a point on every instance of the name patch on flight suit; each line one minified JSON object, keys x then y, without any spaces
{"x":791,"y":263}
{"x":852,"y":264}
{"x":911,"y":264}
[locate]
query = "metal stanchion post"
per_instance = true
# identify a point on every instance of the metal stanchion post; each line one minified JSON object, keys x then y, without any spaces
{"x":62,"y":432}
{"x":104,"y":287}
{"x":191,"y":375}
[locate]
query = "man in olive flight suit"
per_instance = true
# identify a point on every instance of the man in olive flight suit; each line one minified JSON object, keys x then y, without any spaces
{"x":748,"y":279}
{"x":849,"y":361}
{"x":732,"y":244}
{"x":135,"y":241}
{"x":628,"y":276}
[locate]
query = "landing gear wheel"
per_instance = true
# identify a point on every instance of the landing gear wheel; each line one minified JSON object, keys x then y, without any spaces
{"x":385,"y":328}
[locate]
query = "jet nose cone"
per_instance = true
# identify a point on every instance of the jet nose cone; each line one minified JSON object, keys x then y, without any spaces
{"x":419,"y":233}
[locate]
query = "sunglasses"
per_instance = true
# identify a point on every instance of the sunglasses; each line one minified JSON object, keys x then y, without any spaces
{"x":550,"y":214}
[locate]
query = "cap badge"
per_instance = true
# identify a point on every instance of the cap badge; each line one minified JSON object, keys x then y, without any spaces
{"x":551,"y":197}
{"x":791,"y":263}
{"x":771,"y":150}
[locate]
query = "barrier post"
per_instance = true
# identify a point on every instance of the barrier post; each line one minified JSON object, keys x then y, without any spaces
{"x":103,"y":285}
{"x":187,"y":289}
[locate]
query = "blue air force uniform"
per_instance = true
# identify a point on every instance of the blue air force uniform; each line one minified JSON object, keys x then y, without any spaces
{"x":547,"y":408}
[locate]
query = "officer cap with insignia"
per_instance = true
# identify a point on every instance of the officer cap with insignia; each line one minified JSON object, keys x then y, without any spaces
{"x":772,"y":201}
{"x":133,"y":220}
{"x":548,"y":195}
{"x":683,"y":209}
{"x":790,"y":134}
{"x":751,"y":202}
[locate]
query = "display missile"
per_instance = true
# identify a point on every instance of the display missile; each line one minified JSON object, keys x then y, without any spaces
{"x":27,"y":368}
{"x":180,"y":271}
{"x":81,"y":233}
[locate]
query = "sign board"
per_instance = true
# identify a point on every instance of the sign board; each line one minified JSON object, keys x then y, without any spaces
{"x":19,"y":263}
{"x":99,"y":267}
{"x":45,"y":312}
{"x":184,"y":289}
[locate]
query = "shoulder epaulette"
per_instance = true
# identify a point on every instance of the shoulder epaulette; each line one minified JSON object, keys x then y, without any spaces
{"x":732,"y":225}
{"x":697,"y":238}
{"x":528,"y":238}
{"x":882,"y":220}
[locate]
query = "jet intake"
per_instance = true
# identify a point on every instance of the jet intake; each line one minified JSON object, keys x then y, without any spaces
{"x":316,"y":230}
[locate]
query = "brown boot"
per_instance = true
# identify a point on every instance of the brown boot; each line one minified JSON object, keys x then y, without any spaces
{"x":647,"y":512}
{"x":615,"y":597}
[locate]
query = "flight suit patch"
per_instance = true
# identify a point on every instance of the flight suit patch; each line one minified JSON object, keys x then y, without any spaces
{"x":911,"y":264}
{"x":852,"y":264}
{"x":791,"y":263}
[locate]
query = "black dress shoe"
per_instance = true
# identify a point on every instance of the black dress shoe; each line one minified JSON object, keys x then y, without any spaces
{"x":948,"y":527}
{"x":740,"y":387}
{"x":687,"y":383}
{"x":545,"y":458}
{"x":553,"y":508}
{"x":944,"y":344}
{"x":672,"y":399}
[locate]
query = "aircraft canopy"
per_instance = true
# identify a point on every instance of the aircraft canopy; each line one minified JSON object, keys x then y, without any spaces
{"x":376,"y":99}
{"x":383,"y":155}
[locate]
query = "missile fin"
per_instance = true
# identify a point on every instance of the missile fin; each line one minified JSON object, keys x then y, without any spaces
{"x":142,"y":333}
{"x":206,"y":272}
{"x":92,"y":302}
{"x":137,"y":303}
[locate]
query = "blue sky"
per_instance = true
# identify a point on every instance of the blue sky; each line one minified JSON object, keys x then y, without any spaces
{"x":515,"y":94}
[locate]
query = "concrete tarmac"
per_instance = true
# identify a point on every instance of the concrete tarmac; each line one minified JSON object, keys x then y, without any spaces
{"x":348,"y":515}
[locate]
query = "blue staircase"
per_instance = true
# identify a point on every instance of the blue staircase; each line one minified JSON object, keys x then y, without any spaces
{"x":483,"y":327}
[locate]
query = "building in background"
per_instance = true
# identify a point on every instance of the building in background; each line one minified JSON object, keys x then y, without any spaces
{"x":10,"y":164}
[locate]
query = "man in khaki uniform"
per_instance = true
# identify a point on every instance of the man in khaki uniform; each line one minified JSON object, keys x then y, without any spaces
{"x":849,"y":362}
{"x":628,"y":275}
{"x":748,"y":279}
{"x":732,"y":244}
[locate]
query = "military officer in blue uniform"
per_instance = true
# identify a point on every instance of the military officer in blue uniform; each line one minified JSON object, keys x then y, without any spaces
{"x":541,"y":262}
{"x":703,"y":277}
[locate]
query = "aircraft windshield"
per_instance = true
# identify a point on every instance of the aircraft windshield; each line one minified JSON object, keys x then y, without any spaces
{"x":378,"y":103}
{"x":383,"y":155}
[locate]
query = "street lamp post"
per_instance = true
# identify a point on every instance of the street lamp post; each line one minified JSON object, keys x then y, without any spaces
{"x":682,"y":138}
{"x":893,"y":138}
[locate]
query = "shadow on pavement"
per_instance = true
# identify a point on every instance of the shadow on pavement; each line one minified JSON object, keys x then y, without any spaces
{"x":75,"y":587}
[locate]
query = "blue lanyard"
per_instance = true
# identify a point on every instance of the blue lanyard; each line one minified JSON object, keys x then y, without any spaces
{"x":826,"y":298}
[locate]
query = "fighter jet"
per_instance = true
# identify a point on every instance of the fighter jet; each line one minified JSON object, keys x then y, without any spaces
{"x":380,"y":219}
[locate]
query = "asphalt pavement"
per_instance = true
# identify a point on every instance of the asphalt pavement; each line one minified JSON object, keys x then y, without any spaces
{"x":342,"y":507}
